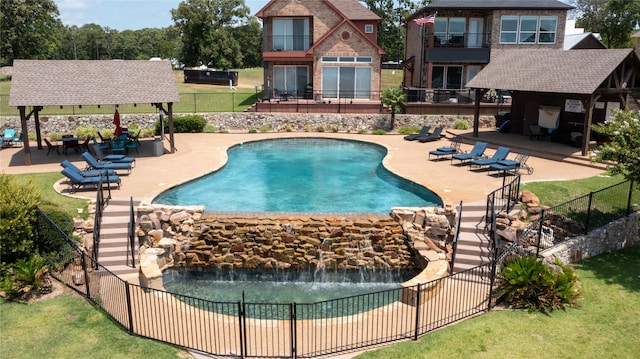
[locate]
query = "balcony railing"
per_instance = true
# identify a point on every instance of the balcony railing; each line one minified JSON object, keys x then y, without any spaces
{"x":289,"y":43}
{"x":462,"y":40}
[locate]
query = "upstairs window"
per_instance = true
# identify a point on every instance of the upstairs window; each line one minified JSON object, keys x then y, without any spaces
{"x":528,"y":29}
{"x":291,"y":34}
{"x":368,"y":29}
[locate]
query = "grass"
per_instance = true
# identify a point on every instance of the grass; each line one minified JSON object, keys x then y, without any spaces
{"x":44,"y":182}
{"x":193,"y":97}
{"x":555,"y":192}
{"x":69,"y":327}
{"x":605,"y":326}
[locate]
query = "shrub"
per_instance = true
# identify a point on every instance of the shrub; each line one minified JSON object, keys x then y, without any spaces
{"x":17,"y":218}
{"x":50,"y":243}
{"x":183,"y":124}
{"x":362,"y":131}
{"x":25,"y":277}
{"x":320,"y":128}
{"x":253,"y":130}
{"x":335,"y":128}
{"x":529,"y":283}
{"x":84,"y":132}
{"x":460,"y":125}
{"x":209,"y":128}
{"x":409,"y":130}
{"x":379,"y":132}
{"x":265,"y":128}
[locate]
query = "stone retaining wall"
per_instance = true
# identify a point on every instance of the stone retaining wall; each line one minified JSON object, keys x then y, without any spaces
{"x":245,"y":121}
{"x":623,"y":233}
{"x":186,"y":236}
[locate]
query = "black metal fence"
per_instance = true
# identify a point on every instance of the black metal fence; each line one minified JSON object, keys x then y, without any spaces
{"x":275,"y":330}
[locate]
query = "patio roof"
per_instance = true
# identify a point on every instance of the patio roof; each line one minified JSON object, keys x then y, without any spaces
{"x":91,"y":82}
{"x":550,"y":71}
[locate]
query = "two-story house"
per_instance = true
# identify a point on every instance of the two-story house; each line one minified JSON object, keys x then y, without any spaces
{"x":320,"y":50}
{"x":448,"y":51}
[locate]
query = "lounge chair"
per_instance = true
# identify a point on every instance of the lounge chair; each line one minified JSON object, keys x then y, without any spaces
{"x":93,"y":163}
{"x":86,"y":173}
{"x":52,"y":147}
{"x":116,"y":158}
{"x":415,"y":136}
{"x":476,"y":152}
{"x":451,"y":150}
{"x":435,"y":136}
{"x":513,"y":165}
{"x":500,"y":155}
{"x":77,"y":181}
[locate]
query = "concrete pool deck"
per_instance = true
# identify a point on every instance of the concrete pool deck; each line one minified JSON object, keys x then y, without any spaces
{"x":199,"y":154}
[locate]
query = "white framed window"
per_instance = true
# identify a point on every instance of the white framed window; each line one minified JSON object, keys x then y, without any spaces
{"x":348,"y":59}
{"x":450,"y":31}
{"x":528,"y":29}
{"x":368,"y":29}
{"x":509,"y":30}
{"x":346,"y":82}
{"x":548,"y":29}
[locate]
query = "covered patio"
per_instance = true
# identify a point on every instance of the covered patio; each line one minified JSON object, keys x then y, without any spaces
{"x":565,"y":92}
{"x":39,"y":83}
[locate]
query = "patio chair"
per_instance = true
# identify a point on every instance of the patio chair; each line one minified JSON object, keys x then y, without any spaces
{"x":513,"y":165}
{"x":77,"y":181}
{"x":434,"y":136}
{"x":52,"y":147}
{"x":476,"y":152}
{"x":117,"y":146}
{"x":414,"y":136}
{"x":133,"y":142}
{"x":19,"y":139}
{"x":86,"y":173}
{"x":500,"y":155}
{"x":536,"y":132}
{"x":93,"y":163}
{"x":8,"y":137}
{"x":451,"y":150}
{"x":117,"y":158}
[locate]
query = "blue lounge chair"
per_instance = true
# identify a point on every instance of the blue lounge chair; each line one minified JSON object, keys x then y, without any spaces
{"x":415,"y":136}
{"x":476,"y":152}
{"x":500,"y":155}
{"x":513,"y":165}
{"x":8,"y":137}
{"x":77,"y":181}
{"x":94,"y":164}
{"x":434,"y":136}
{"x":86,"y":173}
{"x":451,"y":150}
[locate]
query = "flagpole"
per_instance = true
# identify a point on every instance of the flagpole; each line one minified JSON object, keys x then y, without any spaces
{"x":421,"y":60}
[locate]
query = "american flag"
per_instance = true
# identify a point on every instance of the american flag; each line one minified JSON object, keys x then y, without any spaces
{"x":425,"y":20}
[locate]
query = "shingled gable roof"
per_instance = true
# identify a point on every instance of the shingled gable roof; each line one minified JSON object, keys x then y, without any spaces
{"x":550,"y":71}
{"x":87,"y":82}
{"x":499,"y":4}
{"x":349,"y":9}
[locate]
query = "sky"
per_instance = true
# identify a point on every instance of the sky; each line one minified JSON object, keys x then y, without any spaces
{"x":126,"y":14}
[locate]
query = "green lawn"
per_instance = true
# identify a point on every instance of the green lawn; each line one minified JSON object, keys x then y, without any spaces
{"x":605,"y":326}
{"x":193,"y":97}
{"x":555,"y":192}
{"x":44,"y":182}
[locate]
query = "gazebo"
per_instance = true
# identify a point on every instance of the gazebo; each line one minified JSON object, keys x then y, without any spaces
{"x":579,"y":87}
{"x":39,"y":83}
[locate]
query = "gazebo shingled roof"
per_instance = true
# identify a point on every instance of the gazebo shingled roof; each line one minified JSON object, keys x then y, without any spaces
{"x":551,"y":71}
{"x":84,"y":82}
{"x":39,"y":83}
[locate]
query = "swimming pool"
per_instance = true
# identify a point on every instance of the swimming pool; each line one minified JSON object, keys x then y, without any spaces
{"x":301,"y":175}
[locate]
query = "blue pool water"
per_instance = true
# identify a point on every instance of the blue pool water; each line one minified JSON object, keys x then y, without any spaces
{"x":301,"y":175}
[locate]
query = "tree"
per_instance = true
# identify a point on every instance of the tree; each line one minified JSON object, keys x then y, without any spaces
{"x":29,"y":29}
{"x":204,"y":26}
{"x":393,"y":97}
{"x":615,"y":20}
{"x":249,"y":36}
{"x":391,"y":31}
{"x":623,"y":148}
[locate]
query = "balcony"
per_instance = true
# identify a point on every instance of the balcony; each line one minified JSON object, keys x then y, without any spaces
{"x":287,"y":43}
{"x":459,"y":48}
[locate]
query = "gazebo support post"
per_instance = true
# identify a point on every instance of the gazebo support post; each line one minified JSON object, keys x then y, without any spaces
{"x":25,"y":135}
{"x":476,"y":111}
{"x":36,"y":118}
{"x":171,"y":139}
{"x":588,"y":118}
